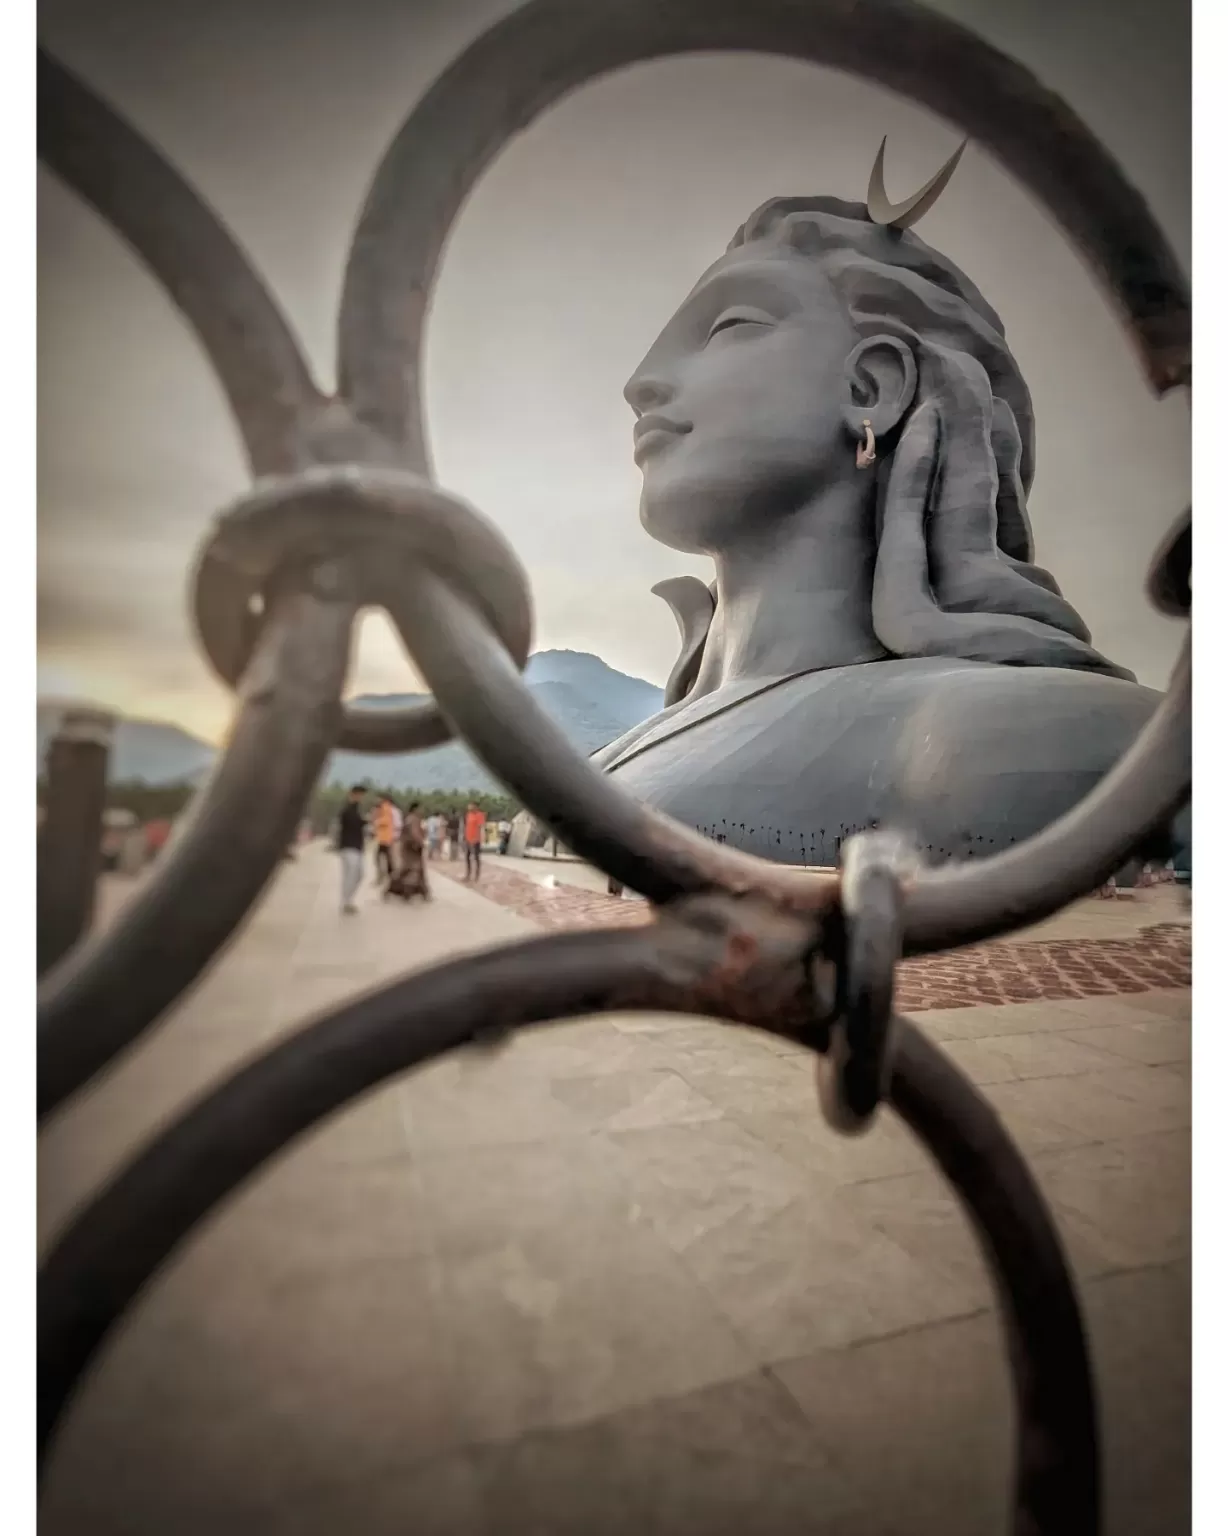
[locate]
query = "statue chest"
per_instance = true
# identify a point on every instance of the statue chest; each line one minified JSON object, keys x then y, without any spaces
{"x":968,"y":759}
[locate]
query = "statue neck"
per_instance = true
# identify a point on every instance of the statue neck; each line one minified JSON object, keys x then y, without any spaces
{"x":796,"y":596}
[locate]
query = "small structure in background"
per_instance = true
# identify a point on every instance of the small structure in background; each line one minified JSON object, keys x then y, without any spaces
{"x":123,"y":842}
{"x":157,"y":835}
{"x":70,"y":836}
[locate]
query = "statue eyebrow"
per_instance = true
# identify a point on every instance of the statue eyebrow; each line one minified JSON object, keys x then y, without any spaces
{"x":706,"y":299}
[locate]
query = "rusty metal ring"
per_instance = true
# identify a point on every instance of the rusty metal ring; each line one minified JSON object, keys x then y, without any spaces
{"x":382,"y":524}
{"x":1168,"y":580}
{"x":111,"y":1250}
{"x":854,"y":1071}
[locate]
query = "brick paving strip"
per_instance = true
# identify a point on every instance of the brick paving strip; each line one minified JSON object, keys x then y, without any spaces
{"x":998,"y":973}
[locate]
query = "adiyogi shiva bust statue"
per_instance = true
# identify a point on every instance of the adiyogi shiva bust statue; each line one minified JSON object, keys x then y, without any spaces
{"x":835,"y":418}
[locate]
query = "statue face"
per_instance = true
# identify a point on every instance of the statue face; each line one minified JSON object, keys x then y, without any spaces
{"x":739,"y":401}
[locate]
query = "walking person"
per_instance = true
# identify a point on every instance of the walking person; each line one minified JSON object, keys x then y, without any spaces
{"x":475,"y":826}
{"x":410,"y":879}
{"x":351,"y":836}
{"x":434,"y":834}
{"x":384,"y":824}
{"x":453,"y":825}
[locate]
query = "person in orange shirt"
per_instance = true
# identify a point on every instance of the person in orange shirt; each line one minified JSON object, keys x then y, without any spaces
{"x":385,"y":826}
{"x":475,"y":825}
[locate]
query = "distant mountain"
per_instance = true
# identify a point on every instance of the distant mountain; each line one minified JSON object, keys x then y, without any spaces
{"x":627,"y":700}
{"x":591,"y":702}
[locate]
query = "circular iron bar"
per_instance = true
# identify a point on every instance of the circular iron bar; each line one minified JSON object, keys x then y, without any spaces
{"x":107,"y":991}
{"x":854,"y":1071}
{"x":959,"y":904}
{"x":481,"y":692}
{"x":380,"y":521}
{"x":1168,"y":581}
{"x":546,"y":49}
{"x":195,"y":259}
{"x":113,"y":1249}
{"x":697,"y":958}
{"x":532,"y":60}
{"x":1057,"y":1458}
{"x":1014,"y":119}
{"x":284,"y":420}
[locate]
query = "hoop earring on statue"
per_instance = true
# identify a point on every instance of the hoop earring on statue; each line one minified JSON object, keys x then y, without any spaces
{"x":865,"y":451}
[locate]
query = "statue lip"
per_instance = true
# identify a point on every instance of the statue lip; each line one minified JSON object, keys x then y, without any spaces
{"x":651,"y":431}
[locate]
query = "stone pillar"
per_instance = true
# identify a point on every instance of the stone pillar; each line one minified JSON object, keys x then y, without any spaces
{"x":70,"y":838}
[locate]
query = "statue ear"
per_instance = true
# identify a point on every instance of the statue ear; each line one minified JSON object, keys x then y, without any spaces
{"x":881,"y":373}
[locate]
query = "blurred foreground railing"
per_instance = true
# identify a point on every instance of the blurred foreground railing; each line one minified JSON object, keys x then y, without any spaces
{"x":343,"y":515}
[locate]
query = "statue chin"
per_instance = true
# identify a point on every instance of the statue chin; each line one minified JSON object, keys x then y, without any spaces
{"x":680,"y":521}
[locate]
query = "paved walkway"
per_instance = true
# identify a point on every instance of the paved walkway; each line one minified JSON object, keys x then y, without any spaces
{"x":618,"y":1278}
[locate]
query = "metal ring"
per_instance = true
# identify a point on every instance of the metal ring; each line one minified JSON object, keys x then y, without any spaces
{"x":854,"y":1071}
{"x":383,"y":523}
{"x":1168,"y":581}
{"x":185,"y":246}
{"x":544,"y":50}
{"x":116,"y":1245}
{"x":507,"y":730}
{"x":111,"y":988}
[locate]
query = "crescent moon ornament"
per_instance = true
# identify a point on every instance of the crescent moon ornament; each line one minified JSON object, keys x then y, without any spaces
{"x":903,"y":215}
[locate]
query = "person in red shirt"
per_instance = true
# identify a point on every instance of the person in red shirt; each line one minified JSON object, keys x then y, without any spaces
{"x":475,"y":825}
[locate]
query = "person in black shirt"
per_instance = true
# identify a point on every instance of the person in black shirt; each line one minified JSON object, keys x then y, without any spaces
{"x":352,"y":835}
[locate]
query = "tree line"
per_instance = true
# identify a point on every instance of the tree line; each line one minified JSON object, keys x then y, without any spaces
{"x":327,"y":803}
{"x":164,"y":802}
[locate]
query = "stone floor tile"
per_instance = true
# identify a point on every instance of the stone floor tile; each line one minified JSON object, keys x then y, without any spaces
{"x":920,"y":1213}
{"x":737,"y":1459}
{"x":580,"y":1048}
{"x":810,"y":1276}
{"x":1097,"y":1106}
{"x":920,"y":1425}
{"x":1132,"y":1195}
{"x":692,"y":1182}
{"x":312,"y":1215}
{"x":1173,"y":1004}
{"x":267,"y":1396}
{"x":466,"y":1100}
{"x":467,"y":1305}
{"x":562,"y":1301}
{"x":617,"y":1101}
{"x":1149,"y":1041}
{"x":1139,"y":1324}
{"x":986,"y":1022}
{"x":766,"y":1083}
{"x":709,"y":1046}
{"x":805,"y":1139}
{"x":442,"y":1498}
{"x":1015,"y":1058}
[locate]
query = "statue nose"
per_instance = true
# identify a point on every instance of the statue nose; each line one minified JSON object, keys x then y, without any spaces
{"x":645,"y":392}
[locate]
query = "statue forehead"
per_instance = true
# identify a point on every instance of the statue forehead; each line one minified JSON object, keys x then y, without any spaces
{"x":768,"y":261}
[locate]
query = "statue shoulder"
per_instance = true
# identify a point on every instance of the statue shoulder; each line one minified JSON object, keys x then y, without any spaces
{"x":987,"y":728}
{"x":606,"y":755}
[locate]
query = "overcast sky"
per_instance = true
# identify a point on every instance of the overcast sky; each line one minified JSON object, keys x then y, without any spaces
{"x":575,"y":248}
